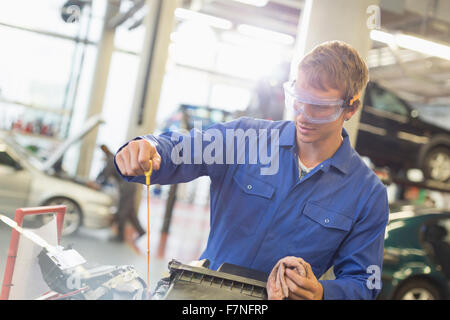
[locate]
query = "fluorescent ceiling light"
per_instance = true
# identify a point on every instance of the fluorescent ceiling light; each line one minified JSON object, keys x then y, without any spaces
{"x":256,"y":3}
{"x":203,"y":18}
{"x":412,"y":43}
{"x":424,"y":46}
{"x":264,"y":34}
{"x":239,"y":39}
{"x":382,"y":36}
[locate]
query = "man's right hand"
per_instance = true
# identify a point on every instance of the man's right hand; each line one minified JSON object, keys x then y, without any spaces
{"x":133,"y":159}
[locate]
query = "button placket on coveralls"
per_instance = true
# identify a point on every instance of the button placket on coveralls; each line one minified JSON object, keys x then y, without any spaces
{"x":267,"y":242}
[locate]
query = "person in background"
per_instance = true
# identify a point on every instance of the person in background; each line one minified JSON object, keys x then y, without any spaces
{"x":127,"y":211}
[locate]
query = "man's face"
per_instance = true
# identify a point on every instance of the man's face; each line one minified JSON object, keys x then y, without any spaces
{"x":312,"y":132}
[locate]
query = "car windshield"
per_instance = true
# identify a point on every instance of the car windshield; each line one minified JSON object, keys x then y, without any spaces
{"x":385,"y":100}
{"x":22,"y":152}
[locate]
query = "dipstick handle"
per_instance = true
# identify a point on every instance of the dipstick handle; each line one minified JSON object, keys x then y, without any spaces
{"x":148,"y":174}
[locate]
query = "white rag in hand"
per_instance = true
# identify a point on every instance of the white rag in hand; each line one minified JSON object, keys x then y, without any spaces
{"x":277,"y":288}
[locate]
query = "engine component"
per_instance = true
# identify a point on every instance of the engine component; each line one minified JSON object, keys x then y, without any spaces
{"x":67,"y":271}
{"x":229,"y":282}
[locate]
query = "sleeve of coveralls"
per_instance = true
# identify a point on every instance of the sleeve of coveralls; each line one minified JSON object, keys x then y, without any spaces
{"x":187,"y":156}
{"x":358,"y":263}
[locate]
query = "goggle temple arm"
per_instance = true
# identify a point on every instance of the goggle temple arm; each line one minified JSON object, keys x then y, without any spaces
{"x":349,"y":102}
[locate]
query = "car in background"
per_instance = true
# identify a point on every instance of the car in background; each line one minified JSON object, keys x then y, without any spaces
{"x":28,"y":181}
{"x":392,"y":134}
{"x":416,"y":263}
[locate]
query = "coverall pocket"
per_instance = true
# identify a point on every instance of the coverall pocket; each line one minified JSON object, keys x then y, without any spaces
{"x":322,"y":227}
{"x":252,"y":197}
{"x":327,"y":218}
{"x":253,"y":186}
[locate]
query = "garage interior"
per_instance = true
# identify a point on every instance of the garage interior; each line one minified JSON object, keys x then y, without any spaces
{"x":79,"y":74}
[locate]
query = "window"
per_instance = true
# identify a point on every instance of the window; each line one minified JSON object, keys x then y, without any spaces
{"x":229,"y":97}
{"x":31,"y":73}
{"x":444,"y":224}
{"x":436,"y":235}
{"x":45,"y":15}
{"x":118,"y":101}
{"x":386,"y":101}
{"x":43,"y":68}
{"x":6,"y":160}
{"x":195,"y":44}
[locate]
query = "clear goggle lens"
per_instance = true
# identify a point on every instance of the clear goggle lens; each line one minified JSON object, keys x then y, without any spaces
{"x":314,"y":110}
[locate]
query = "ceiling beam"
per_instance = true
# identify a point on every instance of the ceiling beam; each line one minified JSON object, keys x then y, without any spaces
{"x":119,"y":19}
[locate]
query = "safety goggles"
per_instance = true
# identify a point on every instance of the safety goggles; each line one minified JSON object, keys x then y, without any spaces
{"x":314,"y":109}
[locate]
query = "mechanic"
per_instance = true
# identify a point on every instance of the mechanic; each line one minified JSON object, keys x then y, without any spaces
{"x":323,"y":204}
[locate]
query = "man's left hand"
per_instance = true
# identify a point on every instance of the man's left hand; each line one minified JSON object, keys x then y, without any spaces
{"x":301,"y":288}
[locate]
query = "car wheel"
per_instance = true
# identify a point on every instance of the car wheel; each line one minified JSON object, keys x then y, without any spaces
{"x":437,"y":164}
{"x":418,"y":289}
{"x":72,"y":218}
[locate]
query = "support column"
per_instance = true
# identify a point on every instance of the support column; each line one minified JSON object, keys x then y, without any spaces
{"x":159,"y":23}
{"x":97,"y":94}
{"x":325,"y":20}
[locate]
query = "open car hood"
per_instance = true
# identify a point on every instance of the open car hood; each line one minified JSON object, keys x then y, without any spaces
{"x":90,"y":124}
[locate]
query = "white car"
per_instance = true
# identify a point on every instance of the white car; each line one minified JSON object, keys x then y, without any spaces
{"x":26,"y":181}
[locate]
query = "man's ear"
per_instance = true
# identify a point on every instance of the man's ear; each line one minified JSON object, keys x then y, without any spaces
{"x":349,"y":112}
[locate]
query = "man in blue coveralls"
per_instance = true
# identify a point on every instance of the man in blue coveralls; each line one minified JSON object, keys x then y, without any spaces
{"x":311,"y":196}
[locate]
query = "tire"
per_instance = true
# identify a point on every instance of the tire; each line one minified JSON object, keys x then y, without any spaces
{"x":418,"y":289}
{"x":436,"y":165}
{"x":73,"y":218}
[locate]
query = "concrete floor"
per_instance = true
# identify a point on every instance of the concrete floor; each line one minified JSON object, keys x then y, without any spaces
{"x":186,"y":241}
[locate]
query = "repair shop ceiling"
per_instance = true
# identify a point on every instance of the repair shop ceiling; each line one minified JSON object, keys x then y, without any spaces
{"x":277,"y":15}
{"x":417,"y":77}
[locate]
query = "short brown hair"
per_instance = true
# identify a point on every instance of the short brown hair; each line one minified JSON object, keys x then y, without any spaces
{"x":337,"y":65}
